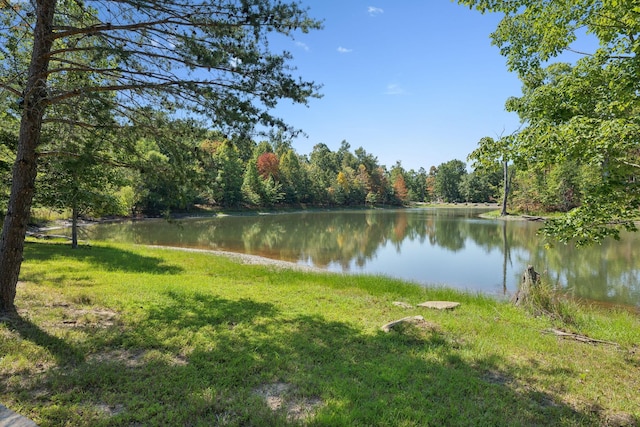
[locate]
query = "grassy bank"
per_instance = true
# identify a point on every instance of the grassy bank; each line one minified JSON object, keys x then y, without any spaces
{"x":127,"y":335}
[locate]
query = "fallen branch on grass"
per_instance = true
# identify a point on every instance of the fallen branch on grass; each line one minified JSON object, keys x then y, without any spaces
{"x":578,"y":337}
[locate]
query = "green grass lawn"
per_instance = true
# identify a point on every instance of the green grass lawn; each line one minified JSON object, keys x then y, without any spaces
{"x":122,"y":335}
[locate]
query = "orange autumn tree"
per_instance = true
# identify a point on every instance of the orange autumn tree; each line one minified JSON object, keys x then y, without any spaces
{"x":400,"y":189}
{"x":268,"y":165}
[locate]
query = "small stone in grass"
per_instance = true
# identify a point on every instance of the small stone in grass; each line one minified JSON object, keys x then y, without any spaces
{"x":412,"y":320}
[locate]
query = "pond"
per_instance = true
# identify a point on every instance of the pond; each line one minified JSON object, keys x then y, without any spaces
{"x":452,"y":247}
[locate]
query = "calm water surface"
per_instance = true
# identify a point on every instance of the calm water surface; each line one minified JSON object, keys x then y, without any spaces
{"x":428,"y":246}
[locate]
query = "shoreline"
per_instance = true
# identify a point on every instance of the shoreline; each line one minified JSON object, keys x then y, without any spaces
{"x":247,"y":258}
{"x":212,"y":213}
{"x":250,"y":259}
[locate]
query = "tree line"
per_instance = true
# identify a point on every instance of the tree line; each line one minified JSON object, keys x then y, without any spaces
{"x":159,"y":165}
{"x":181,"y":165}
{"x":184,"y":165}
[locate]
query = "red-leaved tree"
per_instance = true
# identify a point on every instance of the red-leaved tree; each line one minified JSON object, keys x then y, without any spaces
{"x":268,"y":165}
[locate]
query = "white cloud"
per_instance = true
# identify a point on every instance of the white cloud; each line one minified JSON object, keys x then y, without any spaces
{"x":344,"y":50}
{"x":374,"y":11}
{"x":394,"y":89}
{"x":302,"y":46}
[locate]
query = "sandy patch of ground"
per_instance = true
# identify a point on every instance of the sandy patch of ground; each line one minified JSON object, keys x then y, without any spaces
{"x":282,"y":397}
{"x":136,"y":358}
{"x":249,"y":259}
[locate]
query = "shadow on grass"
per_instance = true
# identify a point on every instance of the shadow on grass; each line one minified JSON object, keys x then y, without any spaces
{"x":108,"y":258}
{"x":230,"y":349}
{"x":64,"y":353}
{"x":193,"y":311}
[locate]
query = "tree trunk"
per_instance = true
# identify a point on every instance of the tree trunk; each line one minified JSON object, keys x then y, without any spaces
{"x":25,"y":166}
{"x":74,"y":226}
{"x":530,"y":279}
{"x":505,"y":195}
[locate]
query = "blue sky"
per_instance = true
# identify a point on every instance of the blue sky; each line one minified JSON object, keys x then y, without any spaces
{"x":415,"y":81}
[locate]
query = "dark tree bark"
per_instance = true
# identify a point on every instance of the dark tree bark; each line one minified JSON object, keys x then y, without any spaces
{"x":530,"y":279}
{"x":74,"y":226}
{"x":25,"y":166}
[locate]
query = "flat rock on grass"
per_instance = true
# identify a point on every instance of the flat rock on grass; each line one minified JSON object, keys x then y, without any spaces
{"x":417,"y":321}
{"x":10,"y":418}
{"x":439,"y":305}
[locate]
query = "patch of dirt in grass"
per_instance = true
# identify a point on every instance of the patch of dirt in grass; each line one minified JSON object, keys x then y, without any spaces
{"x":109,"y":410}
{"x":496,"y":377}
{"x":612,"y":419}
{"x":633,"y":356}
{"x":93,"y":317}
{"x":40,"y":394}
{"x":282,"y":397}
{"x":62,"y":314}
{"x":128,"y":358}
{"x":620,"y":419}
{"x":137,"y":358}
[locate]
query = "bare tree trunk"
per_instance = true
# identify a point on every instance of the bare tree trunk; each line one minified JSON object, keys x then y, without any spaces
{"x":505,"y":196}
{"x":74,"y":226}
{"x":530,"y":279}
{"x":25,"y":166}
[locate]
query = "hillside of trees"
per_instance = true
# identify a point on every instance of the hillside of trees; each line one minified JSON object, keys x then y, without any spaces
{"x":183,"y":166}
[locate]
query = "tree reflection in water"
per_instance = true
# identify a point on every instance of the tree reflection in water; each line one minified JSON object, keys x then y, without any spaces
{"x":447,"y":246}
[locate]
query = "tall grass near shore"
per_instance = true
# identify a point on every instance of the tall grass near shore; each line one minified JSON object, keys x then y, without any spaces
{"x":114,"y":335}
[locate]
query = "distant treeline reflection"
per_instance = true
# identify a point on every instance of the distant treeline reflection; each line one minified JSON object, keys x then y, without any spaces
{"x":608,"y":272}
